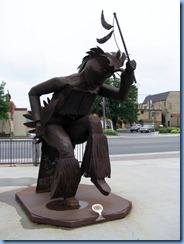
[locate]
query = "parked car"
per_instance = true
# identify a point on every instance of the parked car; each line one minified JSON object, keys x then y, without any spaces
{"x":135,"y":127}
{"x":147,"y":128}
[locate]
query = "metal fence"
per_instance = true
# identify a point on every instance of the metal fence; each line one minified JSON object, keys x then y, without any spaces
{"x":27,"y":151}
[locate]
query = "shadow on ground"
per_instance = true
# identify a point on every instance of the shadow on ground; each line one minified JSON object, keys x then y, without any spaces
{"x":8,"y":197}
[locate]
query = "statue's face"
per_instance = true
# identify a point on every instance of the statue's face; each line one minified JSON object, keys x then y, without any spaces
{"x":96,"y":72}
{"x":7,"y":97}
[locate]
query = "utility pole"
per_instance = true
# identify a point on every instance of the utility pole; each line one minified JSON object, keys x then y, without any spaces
{"x":149,"y":107}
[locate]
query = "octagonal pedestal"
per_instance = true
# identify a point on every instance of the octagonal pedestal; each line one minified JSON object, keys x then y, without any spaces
{"x":39,"y":207}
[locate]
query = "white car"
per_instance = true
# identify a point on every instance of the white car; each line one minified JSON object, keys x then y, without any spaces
{"x":135,"y":127}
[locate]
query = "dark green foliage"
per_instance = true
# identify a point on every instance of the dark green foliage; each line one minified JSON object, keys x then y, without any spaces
{"x":118,"y":111}
{"x":163,"y":130}
{"x":4,"y":105}
{"x":110,"y":132}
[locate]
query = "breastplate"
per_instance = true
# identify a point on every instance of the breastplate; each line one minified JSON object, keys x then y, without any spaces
{"x":79,"y":103}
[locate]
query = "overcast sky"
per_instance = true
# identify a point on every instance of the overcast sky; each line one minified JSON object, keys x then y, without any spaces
{"x":41,"y":39}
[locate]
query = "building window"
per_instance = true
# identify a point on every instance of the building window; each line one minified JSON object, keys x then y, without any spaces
{"x":170,"y":105}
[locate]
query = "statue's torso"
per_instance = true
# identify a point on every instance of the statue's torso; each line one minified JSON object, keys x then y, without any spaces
{"x":78,"y":102}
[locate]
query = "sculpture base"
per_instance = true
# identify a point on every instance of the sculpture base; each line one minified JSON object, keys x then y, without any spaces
{"x":41,"y":209}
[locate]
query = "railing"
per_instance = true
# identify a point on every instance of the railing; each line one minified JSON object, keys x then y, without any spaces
{"x":27,"y":151}
{"x":79,"y":151}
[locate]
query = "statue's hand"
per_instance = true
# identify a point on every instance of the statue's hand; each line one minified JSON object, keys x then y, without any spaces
{"x":39,"y":130}
{"x":129,"y":72}
{"x":131,"y":65}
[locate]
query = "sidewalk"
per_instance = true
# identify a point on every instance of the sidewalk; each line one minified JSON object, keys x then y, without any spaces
{"x":150,"y":181}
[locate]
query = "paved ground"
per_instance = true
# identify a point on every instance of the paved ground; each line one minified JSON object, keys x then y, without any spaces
{"x":150,"y":181}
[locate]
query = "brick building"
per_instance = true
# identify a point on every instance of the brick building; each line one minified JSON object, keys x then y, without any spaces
{"x":161,"y":109}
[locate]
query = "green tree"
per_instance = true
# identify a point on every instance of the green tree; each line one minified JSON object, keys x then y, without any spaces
{"x":4,"y":105}
{"x":118,"y":111}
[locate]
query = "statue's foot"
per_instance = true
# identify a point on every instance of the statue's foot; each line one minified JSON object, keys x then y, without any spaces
{"x":72,"y":202}
{"x":102,"y":186}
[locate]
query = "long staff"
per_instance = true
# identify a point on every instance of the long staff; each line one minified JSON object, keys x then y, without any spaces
{"x":126,"y":51}
{"x":107,"y":26}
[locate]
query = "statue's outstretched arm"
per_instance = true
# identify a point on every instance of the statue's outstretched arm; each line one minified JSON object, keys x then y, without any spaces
{"x":127,"y":79}
{"x":50,"y":86}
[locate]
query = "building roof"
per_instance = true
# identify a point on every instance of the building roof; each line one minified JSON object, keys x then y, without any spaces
{"x":157,"y":97}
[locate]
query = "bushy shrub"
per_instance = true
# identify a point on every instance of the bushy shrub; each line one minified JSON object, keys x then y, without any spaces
{"x":156,"y":129}
{"x":163,"y":130}
{"x":109,"y":132}
{"x":169,"y":130}
{"x":174,"y":131}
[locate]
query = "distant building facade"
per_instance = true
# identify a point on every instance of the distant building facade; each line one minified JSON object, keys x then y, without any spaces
{"x":18,"y":123}
{"x":161,"y":109}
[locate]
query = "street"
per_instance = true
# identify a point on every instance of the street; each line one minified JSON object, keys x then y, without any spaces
{"x":131,"y":143}
{"x":126,"y":143}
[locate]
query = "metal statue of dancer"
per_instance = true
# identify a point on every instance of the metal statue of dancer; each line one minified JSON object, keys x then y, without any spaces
{"x":65,"y":121}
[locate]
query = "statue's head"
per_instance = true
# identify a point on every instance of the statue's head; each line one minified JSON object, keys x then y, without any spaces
{"x":8,"y":97}
{"x":97,"y":66}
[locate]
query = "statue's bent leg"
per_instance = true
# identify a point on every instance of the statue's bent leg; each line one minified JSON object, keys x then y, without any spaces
{"x":4,"y":126}
{"x":97,"y":156}
{"x":96,"y":163}
{"x":67,"y":173}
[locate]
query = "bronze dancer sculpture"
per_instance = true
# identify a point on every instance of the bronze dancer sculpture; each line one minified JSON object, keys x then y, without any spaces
{"x":66,"y":121}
